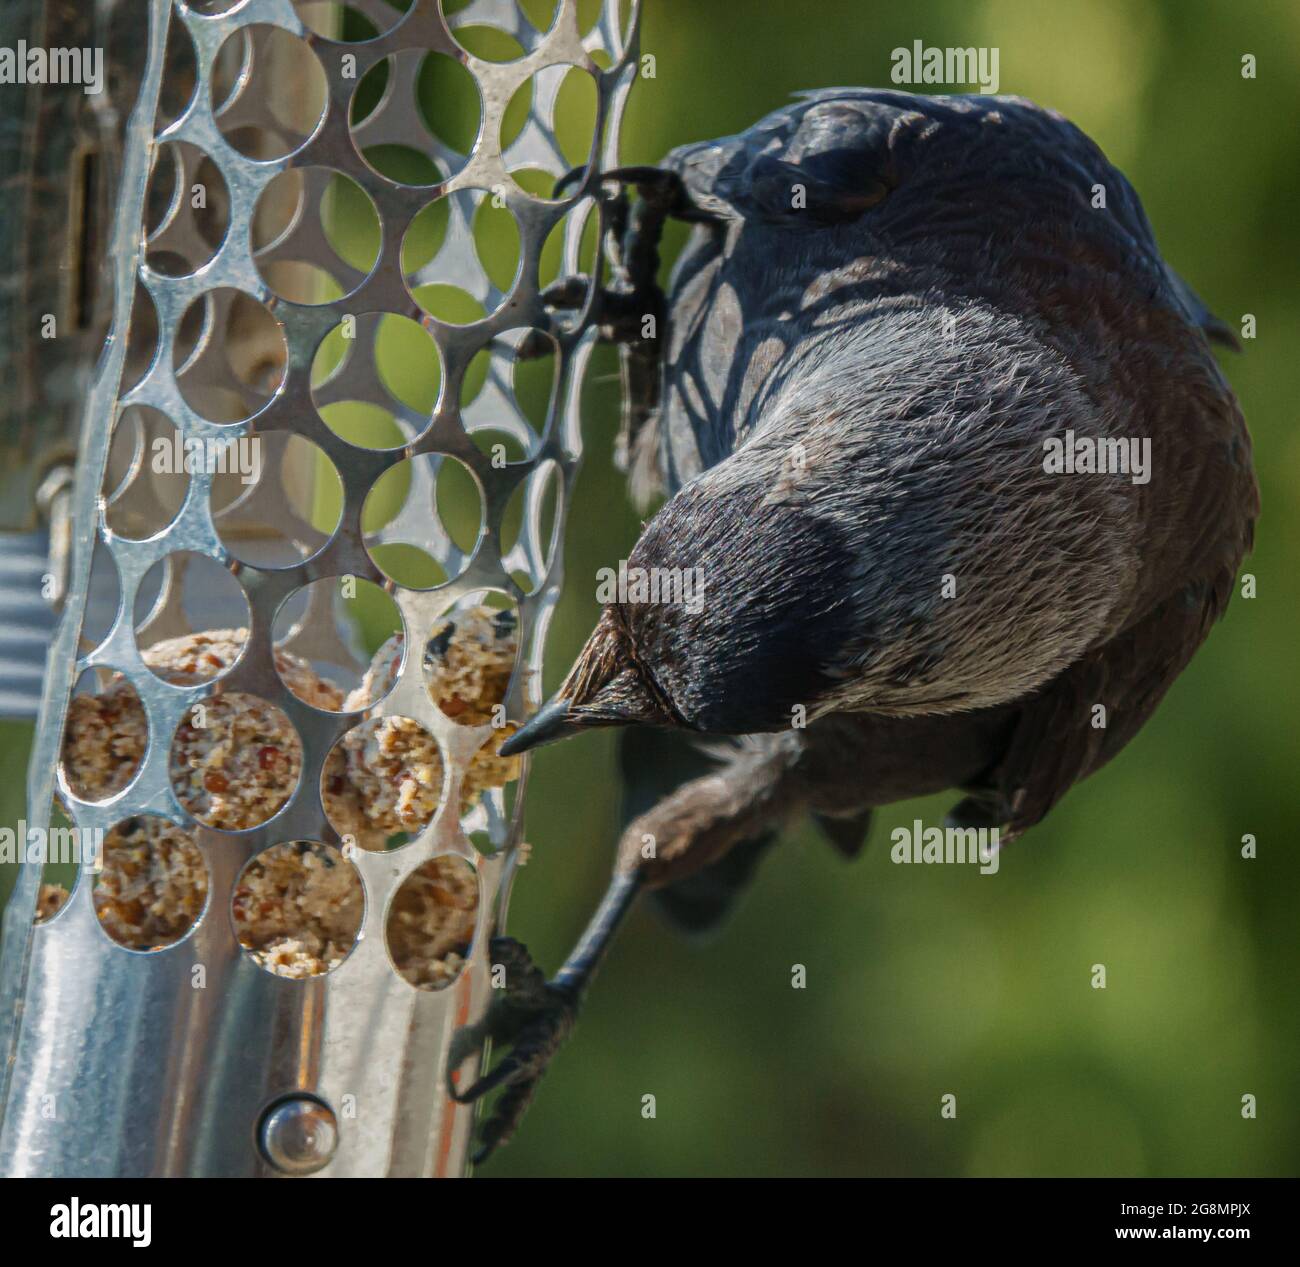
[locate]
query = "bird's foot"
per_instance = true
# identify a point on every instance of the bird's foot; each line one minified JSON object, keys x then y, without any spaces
{"x":532,"y":1017}
{"x":618,"y":315}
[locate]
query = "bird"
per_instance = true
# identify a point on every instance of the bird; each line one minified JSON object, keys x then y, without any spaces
{"x":945,"y":445}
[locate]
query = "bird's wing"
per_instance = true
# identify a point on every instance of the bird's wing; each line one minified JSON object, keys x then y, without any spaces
{"x":1089,"y":713}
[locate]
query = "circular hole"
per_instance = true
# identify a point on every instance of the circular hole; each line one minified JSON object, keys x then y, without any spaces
{"x":495,"y":232}
{"x":104,"y":736}
{"x":147,"y":476}
{"x":339,"y":22}
{"x":424,"y":236}
{"x":382,"y":782}
{"x":488,"y":824}
{"x":369,"y":91}
{"x":430,"y":503}
{"x":469,"y":658}
{"x":176,"y":90}
{"x":365,"y":425}
{"x":535,"y":181}
{"x":282,"y":75}
{"x":164,"y":193}
{"x":500,"y":447}
{"x":431,"y":921}
{"x":496,"y":240}
{"x":235,"y":761}
{"x":229,"y":357}
{"x":153,"y":885}
{"x":449,"y":304}
{"x":190,"y":618}
{"x":126,"y":453}
{"x":448,"y":101}
{"x":229,"y":65}
{"x":141,"y":340}
{"x":51,"y":899}
{"x":489,"y":770}
{"x":515,"y":116}
{"x":189,"y":197}
{"x":398,"y":161}
{"x":295,"y":210}
{"x":409,"y":566}
{"x":541,"y":13}
{"x":297,"y":909}
{"x":103,"y":595}
{"x":575,"y":115}
{"x":407,"y":362}
{"x":533,"y":379}
{"x":402,"y":164}
{"x":375,"y":380}
{"x":345,"y":632}
{"x":189,"y":659}
{"x":62,"y":864}
{"x":475,"y":377}
{"x":528,"y":526}
{"x":551,"y":261}
{"x":288,"y":500}
{"x":489,"y":43}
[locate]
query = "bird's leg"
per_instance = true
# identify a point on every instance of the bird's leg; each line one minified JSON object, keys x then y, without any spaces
{"x":685,"y":832}
{"x":533,"y":1016}
{"x":630,"y":311}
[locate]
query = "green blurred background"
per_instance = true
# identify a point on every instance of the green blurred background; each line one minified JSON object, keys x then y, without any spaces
{"x":927,"y":981}
{"x":923,"y":981}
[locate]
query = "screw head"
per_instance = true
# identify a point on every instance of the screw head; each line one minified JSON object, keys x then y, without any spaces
{"x":298,"y":1134}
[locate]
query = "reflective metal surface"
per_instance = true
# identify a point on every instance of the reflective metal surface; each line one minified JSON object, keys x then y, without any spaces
{"x":167,"y":1062}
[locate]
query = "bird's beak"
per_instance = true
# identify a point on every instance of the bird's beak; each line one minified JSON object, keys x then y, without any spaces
{"x":602,"y":689}
{"x":556,"y":719}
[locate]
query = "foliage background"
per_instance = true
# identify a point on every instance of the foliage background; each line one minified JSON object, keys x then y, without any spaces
{"x":925,"y":981}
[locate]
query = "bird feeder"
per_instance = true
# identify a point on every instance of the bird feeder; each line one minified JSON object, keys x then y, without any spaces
{"x":312,"y":391}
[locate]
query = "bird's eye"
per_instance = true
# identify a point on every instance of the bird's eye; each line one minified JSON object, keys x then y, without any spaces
{"x":853,"y":205}
{"x":818,"y":192}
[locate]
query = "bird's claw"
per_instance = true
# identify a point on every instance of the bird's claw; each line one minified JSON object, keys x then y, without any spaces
{"x":532,"y":1017}
{"x":616,"y":314}
{"x":565,"y":295}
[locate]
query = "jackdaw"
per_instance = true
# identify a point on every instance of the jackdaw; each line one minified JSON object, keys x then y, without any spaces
{"x":948,"y":452}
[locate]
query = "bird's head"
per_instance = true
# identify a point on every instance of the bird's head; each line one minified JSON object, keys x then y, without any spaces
{"x":715,"y":621}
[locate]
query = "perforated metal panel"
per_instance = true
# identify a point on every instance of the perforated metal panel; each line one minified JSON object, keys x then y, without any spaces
{"x":147,"y":1070}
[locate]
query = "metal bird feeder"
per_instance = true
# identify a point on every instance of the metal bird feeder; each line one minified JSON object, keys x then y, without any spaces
{"x":194,"y":1059}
